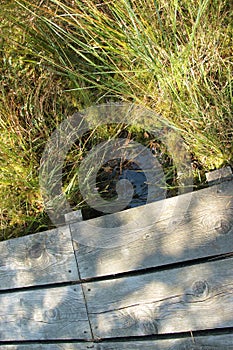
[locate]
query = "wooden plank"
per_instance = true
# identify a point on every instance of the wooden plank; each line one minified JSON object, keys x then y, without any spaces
{"x":73,"y":216}
{"x":219,"y":175}
{"x":177,"y":300}
{"x":219,"y":342}
{"x":210,"y":342}
{"x":59,"y":346}
{"x":182,"y":228}
{"x":42,"y":258}
{"x":44,"y":314}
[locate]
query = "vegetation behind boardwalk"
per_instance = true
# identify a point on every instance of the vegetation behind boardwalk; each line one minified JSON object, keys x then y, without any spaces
{"x":58,"y":57}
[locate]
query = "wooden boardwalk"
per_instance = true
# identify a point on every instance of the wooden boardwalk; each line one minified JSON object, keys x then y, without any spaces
{"x":153,"y":277}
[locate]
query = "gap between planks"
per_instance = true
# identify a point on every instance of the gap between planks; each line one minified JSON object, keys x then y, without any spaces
{"x":48,"y":257}
{"x":213,"y":342}
{"x":157,"y":234}
{"x":179,"y":300}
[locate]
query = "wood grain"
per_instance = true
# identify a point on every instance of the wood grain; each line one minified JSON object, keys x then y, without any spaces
{"x":184,"y":299}
{"x":219,"y":175}
{"x":42,"y":258}
{"x":59,"y":346}
{"x":44,"y":314}
{"x":214,"y":342}
{"x":190,"y":226}
{"x":73,"y":216}
{"x":218,"y":342}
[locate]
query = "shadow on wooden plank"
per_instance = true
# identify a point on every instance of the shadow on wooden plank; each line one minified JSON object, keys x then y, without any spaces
{"x":42,"y":258}
{"x":157,"y":234}
{"x":211,"y":342}
{"x":184,"y":299}
{"x":44,"y":314}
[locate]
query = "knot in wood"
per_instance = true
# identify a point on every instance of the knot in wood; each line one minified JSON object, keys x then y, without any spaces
{"x":36,"y":250}
{"x":52,"y":314}
{"x":200,"y":289}
{"x":222,"y":226}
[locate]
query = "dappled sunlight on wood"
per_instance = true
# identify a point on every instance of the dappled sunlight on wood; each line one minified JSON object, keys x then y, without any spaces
{"x":183,"y":299}
{"x":178,"y":273}
{"x":182,"y":228}
{"x":38,"y":259}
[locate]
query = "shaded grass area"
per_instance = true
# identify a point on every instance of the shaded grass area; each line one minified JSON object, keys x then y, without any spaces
{"x":57,"y":57}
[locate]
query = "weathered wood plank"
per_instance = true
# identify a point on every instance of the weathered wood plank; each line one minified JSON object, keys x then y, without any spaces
{"x":59,"y":346}
{"x":42,"y":258}
{"x":178,"y":300}
{"x":73,"y":216}
{"x":44,"y":314}
{"x":214,"y":342}
{"x":190,"y":226}
{"x":219,"y":175}
{"x":219,"y":342}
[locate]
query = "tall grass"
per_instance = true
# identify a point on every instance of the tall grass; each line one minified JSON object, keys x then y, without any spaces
{"x":174,"y":57}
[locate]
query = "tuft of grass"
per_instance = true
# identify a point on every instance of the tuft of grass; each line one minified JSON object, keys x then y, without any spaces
{"x":174,"y":57}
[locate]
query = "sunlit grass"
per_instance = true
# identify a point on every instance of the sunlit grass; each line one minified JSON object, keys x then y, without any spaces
{"x":174,"y":57}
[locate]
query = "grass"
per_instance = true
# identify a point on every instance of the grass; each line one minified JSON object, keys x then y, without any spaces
{"x":174,"y":57}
